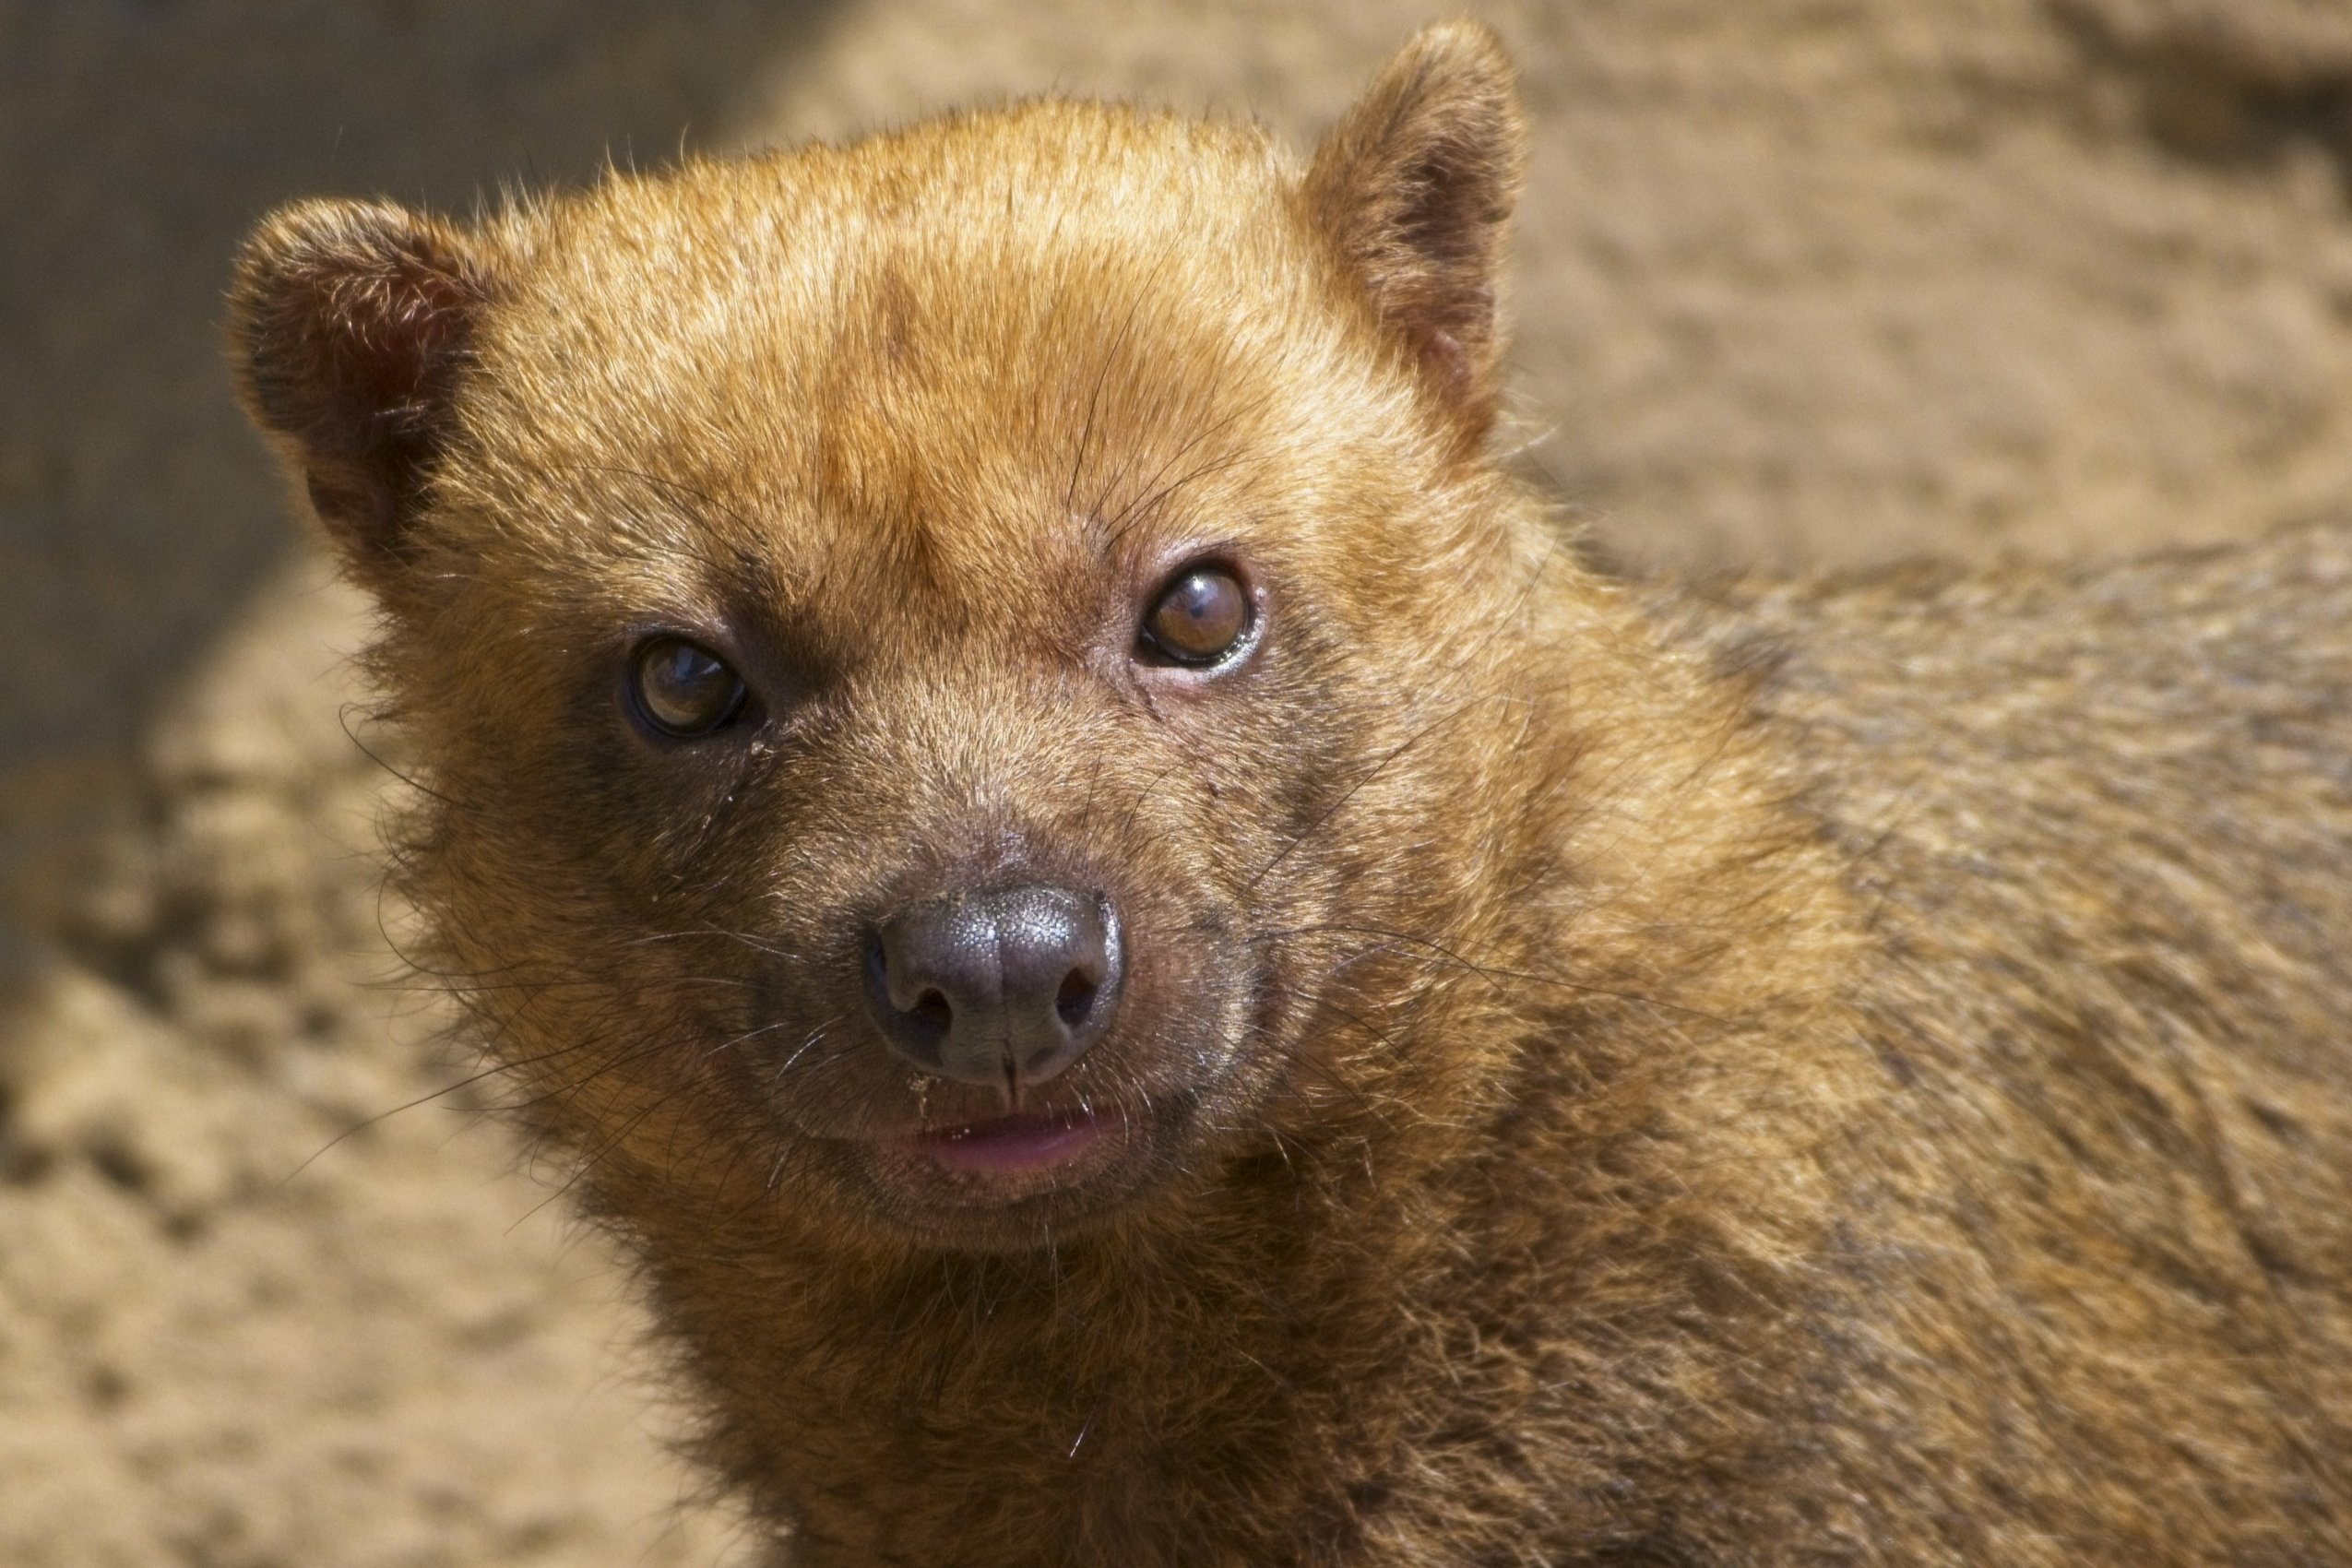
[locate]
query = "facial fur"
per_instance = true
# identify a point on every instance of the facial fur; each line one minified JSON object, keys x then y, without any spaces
{"x":911,"y":435}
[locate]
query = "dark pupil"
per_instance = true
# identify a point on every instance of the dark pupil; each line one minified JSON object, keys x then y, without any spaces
{"x":1201,"y":616}
{"x":684,"y":689}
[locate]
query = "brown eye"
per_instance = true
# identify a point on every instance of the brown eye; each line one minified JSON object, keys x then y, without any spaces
{"x":1199,"y":618}
{"x":684,"y":690}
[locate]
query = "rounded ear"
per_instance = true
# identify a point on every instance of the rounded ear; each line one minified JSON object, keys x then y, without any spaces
{"x":1414,"y":188}
{"x":349,"y":323}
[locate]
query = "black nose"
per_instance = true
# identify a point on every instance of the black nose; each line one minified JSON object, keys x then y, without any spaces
{"x":1008,"y":987}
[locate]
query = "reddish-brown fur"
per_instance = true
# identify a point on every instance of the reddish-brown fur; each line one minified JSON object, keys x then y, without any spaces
{"x":1852,"y":1072}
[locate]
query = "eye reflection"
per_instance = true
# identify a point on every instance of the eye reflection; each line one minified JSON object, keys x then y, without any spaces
{"x":1199,"y":618}
{"x":683,"y":689}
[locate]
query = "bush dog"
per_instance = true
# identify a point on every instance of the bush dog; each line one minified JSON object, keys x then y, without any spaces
{"x":1158,"y":972}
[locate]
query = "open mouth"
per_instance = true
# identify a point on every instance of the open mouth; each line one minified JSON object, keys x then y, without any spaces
{"x":1002,"y":1161}
{"x":1012,"y":1145}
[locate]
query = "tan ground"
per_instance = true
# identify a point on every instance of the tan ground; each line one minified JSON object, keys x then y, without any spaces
{"x":1801,"y":281}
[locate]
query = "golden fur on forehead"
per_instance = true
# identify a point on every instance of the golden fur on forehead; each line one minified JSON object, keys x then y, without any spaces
{"x":779,"y":358}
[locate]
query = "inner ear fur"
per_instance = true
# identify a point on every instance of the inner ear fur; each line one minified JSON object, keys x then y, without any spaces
{"x":348,"y":324}
{"x":1414,"y":188}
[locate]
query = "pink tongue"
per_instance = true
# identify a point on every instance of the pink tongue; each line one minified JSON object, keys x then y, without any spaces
{"x":1016,"y":1143}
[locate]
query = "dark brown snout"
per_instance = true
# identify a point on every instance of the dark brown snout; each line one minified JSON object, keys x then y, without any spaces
{"x":1007,"y":987}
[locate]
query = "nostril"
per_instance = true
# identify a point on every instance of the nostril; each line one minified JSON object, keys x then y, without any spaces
{"x":923,"y":1024}
{"x":931,"y":1015}
{"x":1075,"y":999}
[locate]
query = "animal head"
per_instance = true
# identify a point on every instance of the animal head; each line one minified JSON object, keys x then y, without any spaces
{"x":954,"y":672}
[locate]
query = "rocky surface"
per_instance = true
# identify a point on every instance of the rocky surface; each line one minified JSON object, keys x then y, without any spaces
{"x":1800,"y":281}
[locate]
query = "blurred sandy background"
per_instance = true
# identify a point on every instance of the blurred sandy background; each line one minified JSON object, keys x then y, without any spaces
{"x":1799,"y":281}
